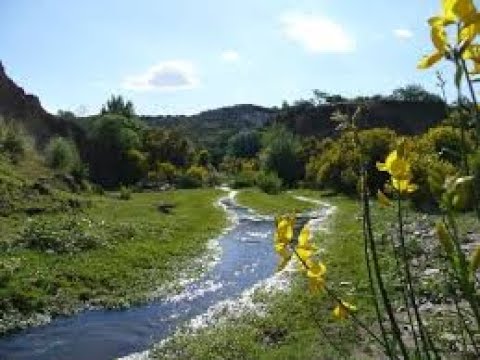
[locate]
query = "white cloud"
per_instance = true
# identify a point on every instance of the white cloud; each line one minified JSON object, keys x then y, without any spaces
{"x":168,"y":75}
{"x":230,"y":56}
{"x":316,"y":33}
{"x":403,"y":34}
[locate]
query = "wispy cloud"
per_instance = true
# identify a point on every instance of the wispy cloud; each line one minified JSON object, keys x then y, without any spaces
{"x":317,"y":33}
{"x":403,"y":34}
{"x":168,"y":75}
{"x":230,"y":56}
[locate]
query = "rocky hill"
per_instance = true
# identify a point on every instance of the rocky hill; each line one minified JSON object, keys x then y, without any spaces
{"x":25,"y":109}
{"x":236,"y":117}
{"x":211,"y":129}
{"x":405,"y":117}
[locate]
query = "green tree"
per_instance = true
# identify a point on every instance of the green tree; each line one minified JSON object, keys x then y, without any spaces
{"x":62,"y":154}
{"x":245,"y":144}
{"x":111,"y":138}
{"x":281,"y":155}
{"x":414,"y":92}
{"x":202,"y":158}
{"x":167,"y":146}
{"x":119,"y":106}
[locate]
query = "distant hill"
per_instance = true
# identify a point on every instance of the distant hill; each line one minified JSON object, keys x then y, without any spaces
{"x":211,"y":129}
{"x":26,"y":110}
{"x":235,"y":117}
{"x":405,"y":117}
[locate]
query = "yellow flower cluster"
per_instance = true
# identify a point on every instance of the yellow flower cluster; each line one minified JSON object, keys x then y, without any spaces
{"x":398,"y":166}
{"x":463,"y":15}
{"x":343,"y":309}
{"x":304,"y":250}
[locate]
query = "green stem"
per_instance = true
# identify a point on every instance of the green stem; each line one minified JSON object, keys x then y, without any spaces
{"x":339,"y":301}
{"x":378,"y":275}
{"x":408,"y":276}
{"x":467,"y":287}
{"x":474,"y":99}
{"x":476,"y":194}
{"x":405,"y":298}
{"x":370,"y":275}
{"x":463,"y":322}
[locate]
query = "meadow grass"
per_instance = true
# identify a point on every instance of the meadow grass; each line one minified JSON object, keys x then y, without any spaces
{"x":298,"y":324}
{"x":266,"y":204}
{"x":146,"y":248}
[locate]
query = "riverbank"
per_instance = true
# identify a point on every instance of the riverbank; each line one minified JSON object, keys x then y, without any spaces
{"x":266,"y":204}
{"x":295,"y":324}
{"x":287,"y":326}
{"x":142,"y":248}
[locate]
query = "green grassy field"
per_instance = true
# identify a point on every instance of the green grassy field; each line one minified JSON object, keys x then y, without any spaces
{"x":145,"y":249}
{"x":297,"y":325}
{"x":272,"y":204}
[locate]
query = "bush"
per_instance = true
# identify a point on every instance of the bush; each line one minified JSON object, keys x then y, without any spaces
{"x":243,"y":179}
{"x":134,"y":166}
{"x":446,"y":141}
{"x":245,"y":144}
{"x":163,"y":172}
{"x":337,"y":164}
{"x":62,"y":154}
{"x":13,"y":141}
{"x":269,"y":183}
{"x":281,"y":155}
{"x":194,"y":177}
{"x":64,"y":235}
{"x":426,"y":168}
{"x":125,"y":193}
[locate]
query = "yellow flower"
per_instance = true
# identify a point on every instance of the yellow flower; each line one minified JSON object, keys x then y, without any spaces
{"x":383,"y":199}
{"x":343,"y":310}
{"x":464,"y":10}
{"x":461,"y":12}
{"x":397,"y":166}
{"x":472,"y":53}
{"x":284,"y":229}
{"x":440,"y":42}
{"x":304,"y":248}
{"x":285,"y":253}
{"x":315,"y":274}
{"x":404,"y":186}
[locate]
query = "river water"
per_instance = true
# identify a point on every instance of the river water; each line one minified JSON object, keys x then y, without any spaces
{"x":247,"y":257}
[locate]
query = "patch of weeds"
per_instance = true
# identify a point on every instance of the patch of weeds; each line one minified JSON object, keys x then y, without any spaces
{"x":68,"y":234}
{"x":125,"y":193}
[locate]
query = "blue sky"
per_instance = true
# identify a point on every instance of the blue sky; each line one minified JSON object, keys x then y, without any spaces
{"x":183,"y":56}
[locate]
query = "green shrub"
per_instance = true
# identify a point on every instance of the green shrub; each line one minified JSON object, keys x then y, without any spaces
{"x":163,"y":172}
{"x":269,"y":183}
{"x":243,"y":179}
{"x":194,"y":177}
{"x":13,"y":141}
{"x":337,"y":164}
{"x":446,"y":141}
{"x":426,"y":168}
{"x":7,"y":267}
{"x":68,"y":234}
{"x":125,"y":193}
{"x":62,"y":154}
{"x":281,"y":155}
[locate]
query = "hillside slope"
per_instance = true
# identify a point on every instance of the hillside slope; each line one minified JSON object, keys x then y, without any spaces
{"x":26,"y":110}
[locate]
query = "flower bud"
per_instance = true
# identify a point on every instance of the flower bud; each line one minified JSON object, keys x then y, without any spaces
{"x":444,"y":238}
{"x":475,"y":260}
